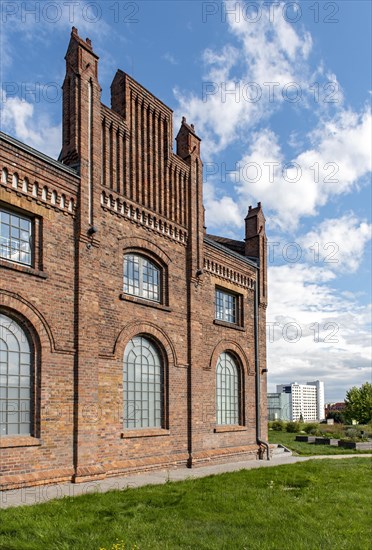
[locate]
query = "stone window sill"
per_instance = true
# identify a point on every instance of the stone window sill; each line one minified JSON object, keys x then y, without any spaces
{"x":7,"y":442}
{"x":143,"y":302}
{"x":232,"y":428}
{"x":151,"y":432}
{"x":23,"y":269}
{"x":228,"y":325}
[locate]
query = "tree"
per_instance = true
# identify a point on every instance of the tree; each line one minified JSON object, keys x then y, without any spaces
{"x":338,"y":417}
{"x":359,"y":404}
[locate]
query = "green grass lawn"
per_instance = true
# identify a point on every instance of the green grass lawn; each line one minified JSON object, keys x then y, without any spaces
{"x":313,"y":505}
{"x":308,"y":449}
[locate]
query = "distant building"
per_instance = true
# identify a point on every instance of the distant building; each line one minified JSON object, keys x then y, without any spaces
{"x":295,"y":401}
{"x":319,"y":398}
{"x":334,"y":407}
{"x":279,"y":406}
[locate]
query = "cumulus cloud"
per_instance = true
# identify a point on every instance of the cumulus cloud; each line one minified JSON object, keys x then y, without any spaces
{"x":240,"y":81}
{"x":223,"y":212}
{"x":268,"y":56}
{"x":31,"y":120}
{"x":339,"y":157}
{"x":315,"y":331}
{"x":19,"y":119}
{"x":339,"y":242}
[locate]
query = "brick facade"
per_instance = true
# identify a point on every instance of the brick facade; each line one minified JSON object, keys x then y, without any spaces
{"x":119,"y":188}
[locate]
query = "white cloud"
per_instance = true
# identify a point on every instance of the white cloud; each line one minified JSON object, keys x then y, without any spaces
{"x":240,"y":79}
{"x":19,"y":119}
{"x":340,"y":156}
{"x":40,"y":22}
{"x":170,"y":58}
{"x":272,"y":46}
{"x":36,"y":25}
{"x":223,"y":212}
{"x":272,"y":53}
{"x":339,"y":242}
{"x":314,"y":331}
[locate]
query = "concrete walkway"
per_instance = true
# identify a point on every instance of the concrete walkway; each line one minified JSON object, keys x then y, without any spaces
{"x":36,"y":495}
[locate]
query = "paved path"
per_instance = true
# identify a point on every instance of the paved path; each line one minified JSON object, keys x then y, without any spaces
{"x":35,"y":495}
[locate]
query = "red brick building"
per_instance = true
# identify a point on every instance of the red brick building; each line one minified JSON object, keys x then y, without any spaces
{"x":130,"y":338}
{"x":340,"y":407}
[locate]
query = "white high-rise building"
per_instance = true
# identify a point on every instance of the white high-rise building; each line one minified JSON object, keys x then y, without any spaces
{"x":306,"y":400}
{"x":319,"y":398}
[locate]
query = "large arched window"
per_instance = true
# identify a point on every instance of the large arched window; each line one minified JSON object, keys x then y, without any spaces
{"x":227,"y":390}
{"x":141,"y":277}
{"x":143,"y":385}
{"x":15,"y":379}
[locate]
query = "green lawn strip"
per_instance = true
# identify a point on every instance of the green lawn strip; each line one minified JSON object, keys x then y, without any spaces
{"x":309,"y":449}
{"x":317,"y":504}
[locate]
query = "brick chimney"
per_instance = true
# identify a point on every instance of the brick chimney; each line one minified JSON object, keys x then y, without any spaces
{"x":188,"y":148}
{"x":81,"y":80}
{"x":187,"y":141}
{"x":256,"y":244}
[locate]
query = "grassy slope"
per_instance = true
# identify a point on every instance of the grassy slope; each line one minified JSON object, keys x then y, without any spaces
{"x":308,"y":449}
{"x":312,"y":505}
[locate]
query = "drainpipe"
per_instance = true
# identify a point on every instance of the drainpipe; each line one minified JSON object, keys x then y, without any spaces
{"x":257,"y":364}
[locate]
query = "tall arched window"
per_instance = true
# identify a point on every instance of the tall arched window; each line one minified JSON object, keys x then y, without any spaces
{"x":143,"y":382}
{"x":141,"y":277}
{"x":227,"y":390}
{"x":15,"y":379}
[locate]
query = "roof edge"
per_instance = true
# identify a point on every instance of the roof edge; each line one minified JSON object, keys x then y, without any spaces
{"x":38,"y":154}
{"x":250,"y":261}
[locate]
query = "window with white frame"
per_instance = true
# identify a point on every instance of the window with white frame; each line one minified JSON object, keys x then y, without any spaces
{"x":143,"y":385}
{"x":227,"y":390}
{"x":15,"y":237}
{"x":226,"y":306}
{"x":141,"y":277}
{"x":15,"y":379}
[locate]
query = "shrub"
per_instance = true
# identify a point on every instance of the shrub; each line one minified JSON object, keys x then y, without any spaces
{"x":336,"y":431}
{"x":355,"y":434}
{"x":293,"y":427}
{"x":338,"y":417}
{"x":278,"y":425}
{"x":311,"y":428}
{"x":333,"y":435}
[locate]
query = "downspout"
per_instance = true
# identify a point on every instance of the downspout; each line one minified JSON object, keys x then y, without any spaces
{"x":257,"y":364}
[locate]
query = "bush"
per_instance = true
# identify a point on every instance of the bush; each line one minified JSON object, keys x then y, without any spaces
{"x":311,"y":428}
{"x":336,"y":431}
{"x":293,"y":427}
{"x":278,"y":425}
{"x":338,"y":417}
{"x":355,"y":434}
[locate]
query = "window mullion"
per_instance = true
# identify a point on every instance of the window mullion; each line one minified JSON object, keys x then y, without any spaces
{"x":140,"y":276}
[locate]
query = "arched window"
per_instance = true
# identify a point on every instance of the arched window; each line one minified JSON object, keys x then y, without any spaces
{"x":4,"y":175}
{"x":15,"y":379}
{"x":141,"y":277}
{"x":227,"y":390}
{"x":143,"y":377}
{"x":15,"y":180}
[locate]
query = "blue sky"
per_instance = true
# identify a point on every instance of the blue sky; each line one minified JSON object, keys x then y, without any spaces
{"x":295,"y":134}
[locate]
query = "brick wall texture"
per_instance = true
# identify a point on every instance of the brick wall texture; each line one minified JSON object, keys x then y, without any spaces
{"x":119,"y":188}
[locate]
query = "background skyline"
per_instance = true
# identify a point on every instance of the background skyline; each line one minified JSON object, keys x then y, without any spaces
{"x":280,"y":95}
